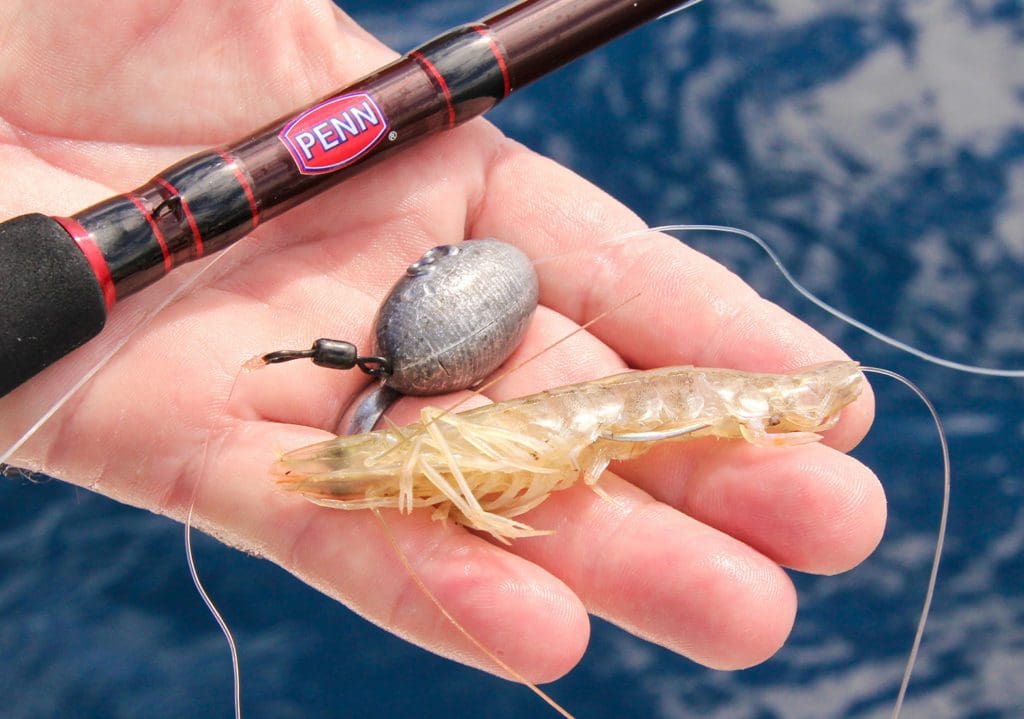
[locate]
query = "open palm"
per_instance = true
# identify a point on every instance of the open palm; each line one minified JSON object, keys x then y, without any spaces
{"x":98,"y":97}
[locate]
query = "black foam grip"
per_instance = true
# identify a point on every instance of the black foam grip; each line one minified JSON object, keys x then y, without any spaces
{"x":51,"y":299}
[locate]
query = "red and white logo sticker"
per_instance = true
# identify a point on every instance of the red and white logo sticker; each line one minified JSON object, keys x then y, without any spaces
{"x":334,"y":133}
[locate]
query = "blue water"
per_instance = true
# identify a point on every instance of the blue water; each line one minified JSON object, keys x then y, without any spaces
{"x":879,"y":145}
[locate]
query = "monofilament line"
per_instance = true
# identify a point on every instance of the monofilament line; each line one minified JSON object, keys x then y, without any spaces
{"x":235,"y":669}
{"x":940,"y":540}
{"x":190,"y":558}
{"x":839,"y":314}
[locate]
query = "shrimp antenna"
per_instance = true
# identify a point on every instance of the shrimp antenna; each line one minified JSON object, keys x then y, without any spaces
{"x":455,"y":622}
{"x":586,"y":325}
{"x":940,"y":540}
{"x":478,"y":391}
{"x":835,"y":312}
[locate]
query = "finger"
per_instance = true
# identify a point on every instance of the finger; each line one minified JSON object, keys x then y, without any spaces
{"x":662,"y":575}
{"x":809,"y":508}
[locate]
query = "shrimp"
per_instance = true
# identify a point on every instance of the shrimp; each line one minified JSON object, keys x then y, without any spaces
{"x":483,"y":467}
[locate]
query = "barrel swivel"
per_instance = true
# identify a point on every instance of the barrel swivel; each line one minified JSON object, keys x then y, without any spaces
{"x":334,"y":354}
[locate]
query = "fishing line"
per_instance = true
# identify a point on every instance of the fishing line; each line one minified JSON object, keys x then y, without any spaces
{"x":684,"y":6}
{"x":203,"y":274}
{"x":235,"y":667}
{"x":835,"y":312}
{"x":942,"y":362}
{"x":940,"y":540}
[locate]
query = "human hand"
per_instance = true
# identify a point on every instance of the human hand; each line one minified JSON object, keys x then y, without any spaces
{"x":687,"y":556}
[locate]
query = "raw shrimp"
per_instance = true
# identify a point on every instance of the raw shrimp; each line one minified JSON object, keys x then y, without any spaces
{"x":485,"y":466}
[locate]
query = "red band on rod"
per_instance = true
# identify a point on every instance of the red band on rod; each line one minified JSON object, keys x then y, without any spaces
{"x":499,"y":56}
{"x":234,"y":163}
{"x":92,"y":253}
{"x":429,"y":67}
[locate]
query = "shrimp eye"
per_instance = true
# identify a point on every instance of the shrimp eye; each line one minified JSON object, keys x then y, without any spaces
{"x":774,"y":420}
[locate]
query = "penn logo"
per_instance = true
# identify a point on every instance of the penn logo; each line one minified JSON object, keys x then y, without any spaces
{"x":334,"y":133}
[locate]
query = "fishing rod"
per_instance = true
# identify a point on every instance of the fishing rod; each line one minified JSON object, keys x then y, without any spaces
{"x":64,"y":274}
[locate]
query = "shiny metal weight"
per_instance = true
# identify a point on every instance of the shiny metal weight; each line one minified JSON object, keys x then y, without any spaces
{"x":455,"y":316}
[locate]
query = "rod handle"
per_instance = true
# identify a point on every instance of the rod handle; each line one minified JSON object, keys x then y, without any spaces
{"x":52,"y":300}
